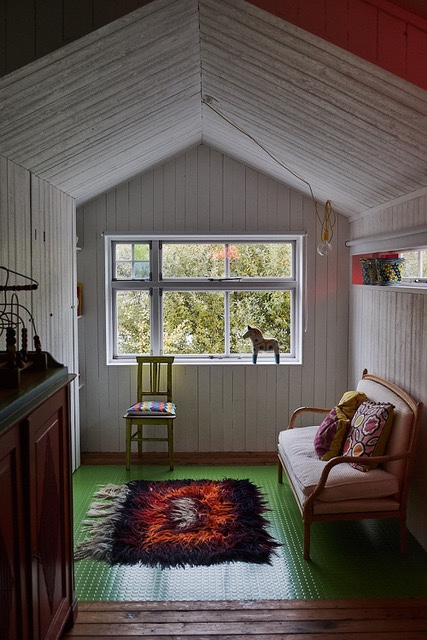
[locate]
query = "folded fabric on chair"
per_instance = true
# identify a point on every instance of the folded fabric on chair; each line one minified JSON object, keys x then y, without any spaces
{"x":150,"y":407}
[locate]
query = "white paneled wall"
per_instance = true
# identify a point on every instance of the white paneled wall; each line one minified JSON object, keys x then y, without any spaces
{"x":388,"y":336}
{"x":37,"y":238}
{"x":54,"y":266}
{"x":401,"y":215}
{"x":220,"y":407}
{"x":15,"y":230}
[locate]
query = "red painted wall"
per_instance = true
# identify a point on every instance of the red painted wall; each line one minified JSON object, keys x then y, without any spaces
{"x":376,"y":30}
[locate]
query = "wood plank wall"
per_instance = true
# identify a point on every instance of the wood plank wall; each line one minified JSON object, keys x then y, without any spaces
{"x":222,"y":408}
{"x":32,"y":28}
{"x":388,"y":335}
{"x":37,"y":238}
{"x":377,"y":30}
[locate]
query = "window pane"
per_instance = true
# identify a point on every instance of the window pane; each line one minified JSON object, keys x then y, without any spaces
{"x":260,"y":260}
{"x":123,"y":271}
{"x":141,"y":270}
{"x":193,"y":322}
{"x":424,"y":263}
{"x":133,"y":322}
{"x":141,"y":252}
{"x":411,"y":266}
{"x":193,"y":260}
{"x":132,"y":261}
{"x":123,"y":251}
{"x":269,"y":311}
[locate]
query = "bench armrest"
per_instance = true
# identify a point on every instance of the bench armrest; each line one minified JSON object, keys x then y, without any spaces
{"x":301,"y":410}
{"x":346,"y":460}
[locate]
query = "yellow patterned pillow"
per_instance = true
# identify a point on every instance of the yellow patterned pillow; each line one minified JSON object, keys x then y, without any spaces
{"x":331,"y":434}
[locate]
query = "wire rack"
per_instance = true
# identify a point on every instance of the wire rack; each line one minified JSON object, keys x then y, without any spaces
{"x":16,"y":321}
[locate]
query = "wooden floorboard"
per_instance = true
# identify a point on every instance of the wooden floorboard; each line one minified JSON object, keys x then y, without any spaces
{"x":355,"y":619}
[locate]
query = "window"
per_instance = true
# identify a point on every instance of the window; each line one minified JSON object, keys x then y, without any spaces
{"x":193,"y":297}
{"x":415,"y":267}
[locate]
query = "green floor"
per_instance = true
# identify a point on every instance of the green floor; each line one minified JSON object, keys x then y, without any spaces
{"x":349,"y":559}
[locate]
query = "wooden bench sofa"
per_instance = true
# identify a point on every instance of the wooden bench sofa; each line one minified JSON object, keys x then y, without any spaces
{"x":334,"y":489}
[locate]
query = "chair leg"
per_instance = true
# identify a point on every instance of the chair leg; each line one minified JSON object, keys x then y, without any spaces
{"x":403,"y":534}
{"x":128,"y":442}
{"x":170,"y":445}
{"x":307,"y":540}
{"x":140,"y":440}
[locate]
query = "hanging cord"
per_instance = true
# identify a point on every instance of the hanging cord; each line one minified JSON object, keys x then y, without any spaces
{"x":328,"y":222}
{"x":208,"y":102}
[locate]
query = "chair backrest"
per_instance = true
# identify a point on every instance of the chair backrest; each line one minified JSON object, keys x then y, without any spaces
{"x":154,"y":377}
{"x":404,"y":430}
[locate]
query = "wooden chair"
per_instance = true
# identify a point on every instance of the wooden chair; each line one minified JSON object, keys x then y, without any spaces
{"x":334,"y":489}
{"x":154,"y":386}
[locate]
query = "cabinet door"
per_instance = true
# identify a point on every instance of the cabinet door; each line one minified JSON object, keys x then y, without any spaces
{"x":14,"y":622}
{"x":50,"y":517}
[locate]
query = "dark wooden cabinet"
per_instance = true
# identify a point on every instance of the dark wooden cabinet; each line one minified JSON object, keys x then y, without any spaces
{"x":13,"y":592}
{"x":36,"y":567}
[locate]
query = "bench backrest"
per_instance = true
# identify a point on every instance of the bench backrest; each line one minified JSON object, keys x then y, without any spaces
{"x":404,"y":430}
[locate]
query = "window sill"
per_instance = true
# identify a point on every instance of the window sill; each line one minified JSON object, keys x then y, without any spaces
{"x":408,"y":287}
{"x":215,"y":362}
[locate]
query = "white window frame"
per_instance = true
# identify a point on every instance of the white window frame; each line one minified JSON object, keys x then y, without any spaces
{"x":294,"y":284}
{"x":418,"y":280}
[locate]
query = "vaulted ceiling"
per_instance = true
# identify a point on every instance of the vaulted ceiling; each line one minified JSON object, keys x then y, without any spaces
{"x":177,"y":73}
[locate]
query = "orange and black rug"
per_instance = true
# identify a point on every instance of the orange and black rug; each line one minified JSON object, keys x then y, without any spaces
{"x":177,"y":523}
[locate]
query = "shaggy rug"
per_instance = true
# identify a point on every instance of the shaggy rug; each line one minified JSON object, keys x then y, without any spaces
{"x":177,"y":523}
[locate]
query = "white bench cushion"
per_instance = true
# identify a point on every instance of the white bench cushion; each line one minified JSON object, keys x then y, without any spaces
{"x":296,"y":446}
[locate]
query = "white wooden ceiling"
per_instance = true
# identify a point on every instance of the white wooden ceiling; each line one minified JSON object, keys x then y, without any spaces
{"x":132,"y":94}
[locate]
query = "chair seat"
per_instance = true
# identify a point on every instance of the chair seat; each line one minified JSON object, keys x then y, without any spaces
{"x":152,"y":408}
{"x":148,"y":414}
